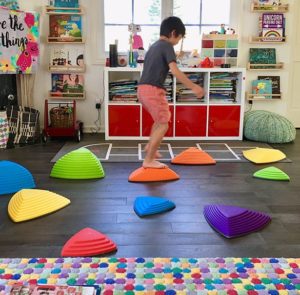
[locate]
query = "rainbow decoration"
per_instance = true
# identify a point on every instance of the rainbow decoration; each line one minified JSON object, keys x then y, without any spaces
{"x":159,"y":276}
{"x":19,"y":41}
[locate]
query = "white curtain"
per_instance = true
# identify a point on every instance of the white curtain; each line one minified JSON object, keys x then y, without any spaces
{"x":25,"y":86}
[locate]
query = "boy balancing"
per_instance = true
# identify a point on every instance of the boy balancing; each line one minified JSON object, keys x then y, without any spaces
{"x":159,"y":59}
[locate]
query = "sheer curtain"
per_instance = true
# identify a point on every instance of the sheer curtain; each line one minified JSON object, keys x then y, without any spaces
{"x":25,"y":85}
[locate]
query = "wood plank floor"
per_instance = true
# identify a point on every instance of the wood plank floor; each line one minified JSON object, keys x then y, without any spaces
{"x":106,"y":205}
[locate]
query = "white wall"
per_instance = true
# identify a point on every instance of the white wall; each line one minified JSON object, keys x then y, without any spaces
{"x":86,"y":110}
{"x":243,"y":19}
{"x":249,"y":27}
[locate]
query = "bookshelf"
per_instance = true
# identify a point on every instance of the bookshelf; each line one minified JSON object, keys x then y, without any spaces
{"x":217,"y":116}
{"x":66,"y":44}
{"x":255,"y":7}
{"x":263,"y":97}
{"x":221,"y":49}
{"x":265,"y":67}
{"x":272,"y":23}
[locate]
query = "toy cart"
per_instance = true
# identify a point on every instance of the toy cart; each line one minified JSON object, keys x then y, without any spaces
{"x":62,"y":120}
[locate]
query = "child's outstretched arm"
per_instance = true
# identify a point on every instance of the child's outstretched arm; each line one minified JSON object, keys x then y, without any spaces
{"x":198,"y":90}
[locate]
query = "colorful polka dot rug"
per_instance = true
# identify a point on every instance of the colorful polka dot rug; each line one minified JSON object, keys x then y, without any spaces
{"x":158,"y":276}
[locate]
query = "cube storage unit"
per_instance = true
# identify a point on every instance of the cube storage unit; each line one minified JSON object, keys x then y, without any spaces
{"x":221,"y":49}
{"x":217,"y":116}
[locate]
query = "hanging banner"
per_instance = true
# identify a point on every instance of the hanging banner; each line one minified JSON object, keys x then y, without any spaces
{"x":19,"y":41}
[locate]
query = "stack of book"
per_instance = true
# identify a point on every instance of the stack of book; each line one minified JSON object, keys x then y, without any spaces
{"x":184,"y":94}
{"x":223,"y":87}
{"x":169,"y":87}
{"x":123,"y":90}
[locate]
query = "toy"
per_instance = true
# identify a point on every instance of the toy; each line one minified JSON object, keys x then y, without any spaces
{"x":151,"y":174}
{"x":30,"y":203}
{"x":271,"y":173}
{"x":263,"y":156}
{"x":14,"y":177}
{"x":70,"y":127}
{"x":78,"y":164}
{"x":88,"y":242}
{"x":193,"y":156}
{"x":144,"y":206}
{"x":231,"y":221}
{"x":207,"y":63}
{"x":141,"y":55}
{"x":222,"y":30}
{"x":135,"y":42}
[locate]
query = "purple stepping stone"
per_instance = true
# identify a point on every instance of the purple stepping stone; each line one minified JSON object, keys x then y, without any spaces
{"x":231,"y":221}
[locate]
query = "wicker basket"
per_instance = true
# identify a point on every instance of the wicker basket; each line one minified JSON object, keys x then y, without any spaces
{"x":61,"y":117}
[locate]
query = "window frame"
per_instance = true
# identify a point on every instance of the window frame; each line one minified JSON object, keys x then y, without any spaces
{"x":97,"y":33}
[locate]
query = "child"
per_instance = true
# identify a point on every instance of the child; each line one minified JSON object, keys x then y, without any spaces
{"x":159,"y":59}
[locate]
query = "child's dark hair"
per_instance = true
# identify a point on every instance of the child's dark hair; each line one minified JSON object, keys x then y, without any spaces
{"x":170,"y":24}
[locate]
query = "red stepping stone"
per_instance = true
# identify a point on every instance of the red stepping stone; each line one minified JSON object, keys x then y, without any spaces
{"x":88,"y":242}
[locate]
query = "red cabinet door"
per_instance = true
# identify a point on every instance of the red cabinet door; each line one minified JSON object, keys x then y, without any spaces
{"x":224,"y":121}
{"x":190,"y":120}
{"x":124,"y":120}
{"x":147,"y":123}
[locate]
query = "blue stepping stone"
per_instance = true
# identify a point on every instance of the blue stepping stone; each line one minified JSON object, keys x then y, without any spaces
{"x":14,"y":177}
{"x":144,"y":206}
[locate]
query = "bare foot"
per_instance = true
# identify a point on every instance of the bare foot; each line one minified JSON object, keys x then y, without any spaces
{"x":157,"y":153}
{"x":154,"y":164}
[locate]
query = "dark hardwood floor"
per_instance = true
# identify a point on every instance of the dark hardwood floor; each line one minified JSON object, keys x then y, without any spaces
{"x":107,"y":205}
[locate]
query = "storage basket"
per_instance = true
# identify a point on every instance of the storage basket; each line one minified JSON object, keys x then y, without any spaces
{"x":61,"y":117}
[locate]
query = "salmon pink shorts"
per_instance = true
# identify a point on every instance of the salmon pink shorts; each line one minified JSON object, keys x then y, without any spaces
{"x":154,"y":100}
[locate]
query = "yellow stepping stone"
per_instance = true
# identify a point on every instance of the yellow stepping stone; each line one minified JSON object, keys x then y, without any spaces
{"x":263,"y":155}
{"x":30,"y":203}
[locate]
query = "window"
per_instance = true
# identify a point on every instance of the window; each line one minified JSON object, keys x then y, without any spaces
{"x":120,"y":13}
{"x":199,"y":16}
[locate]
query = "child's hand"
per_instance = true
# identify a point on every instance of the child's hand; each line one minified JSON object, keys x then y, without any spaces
{"x":198,"y":90}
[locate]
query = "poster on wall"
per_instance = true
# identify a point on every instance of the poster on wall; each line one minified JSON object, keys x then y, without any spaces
{"x":19,"y":41}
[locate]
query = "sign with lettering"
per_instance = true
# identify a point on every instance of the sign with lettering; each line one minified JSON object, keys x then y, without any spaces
{"x":19,"y":41}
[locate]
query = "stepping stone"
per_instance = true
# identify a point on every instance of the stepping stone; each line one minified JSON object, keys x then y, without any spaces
{"x":151,"y":174}
{"x":88,"y":242}
{"x":193,"y":156}
{"x":144,"y":206}
{"x":78,"y":164}
{"x":264,"y":156}
{"x":272,"y":173}
{"x":32,"y":203}
{"x":231,"y":221}
{"x":14,"y":177}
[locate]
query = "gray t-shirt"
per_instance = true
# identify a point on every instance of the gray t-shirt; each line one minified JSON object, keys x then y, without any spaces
{"x":156,"y":64}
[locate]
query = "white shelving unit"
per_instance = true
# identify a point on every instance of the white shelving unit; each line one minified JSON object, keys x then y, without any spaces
{"x":208,"y":119}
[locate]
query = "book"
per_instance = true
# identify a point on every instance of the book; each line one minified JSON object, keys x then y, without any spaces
{"x":262,"y":56}
{"x":67,"y":57}
{"x":262,"y":87}
{"x":11,"y":4}
{"x":272,"y":26}
{"x":67,"y":85}
{"x":66,"y":27}
{"x":26,"y":289}
{"x":66,"y":3}
{"x":275,"y":80}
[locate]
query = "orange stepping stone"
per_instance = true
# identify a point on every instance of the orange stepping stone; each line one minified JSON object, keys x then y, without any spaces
{"x":193,"y":156}
{"x":88,"y":242}
{"x":152,"y":174}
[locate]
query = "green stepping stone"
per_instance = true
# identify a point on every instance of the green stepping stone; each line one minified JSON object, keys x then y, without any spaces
{"x":78,"y":164}
{"x":272,"y":173}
